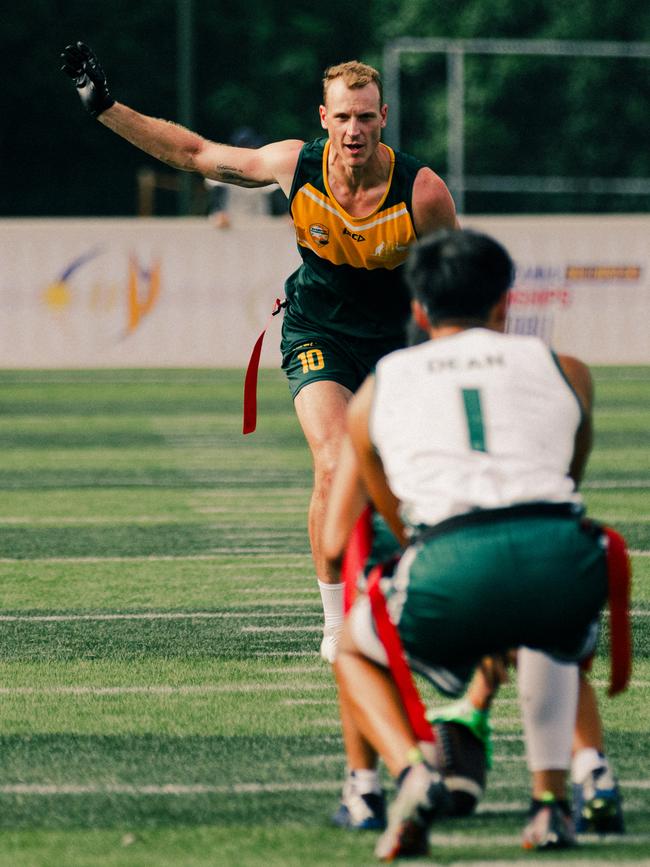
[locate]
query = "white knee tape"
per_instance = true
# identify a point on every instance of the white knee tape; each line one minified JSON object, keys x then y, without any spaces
{"x":548,"y":694}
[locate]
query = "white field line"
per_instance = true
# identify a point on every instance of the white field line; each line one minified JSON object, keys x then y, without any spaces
{"x":633,"y":684}
{"x":215,"y":554}
{"x":271,"y":653}
{"x":305,"y":604}
{"x":220,"y":615}
{"x":304,"y":702}
{"x":270,"y":591}
{"x":180,"y":789}
{"x":594,"y":484}
{"x":199,"y":689}
{"x":282,"y":629}
{"x":93,"y":519}
{"x":166,"y":789}
{"x":247,"y":509}
{"x":294,"y":669}
{"x":171,"y":615}
{"x":636,"y":553}
{"x":506,"y":722}
{"x":168,"y":689}
{"x":462,"y":841}
{"x":337,"y":758}
{"x":548,"y":862}
{"x":200,"y":496}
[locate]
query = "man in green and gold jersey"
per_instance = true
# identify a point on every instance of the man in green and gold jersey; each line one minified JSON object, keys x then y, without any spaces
{"x":357,"y":205}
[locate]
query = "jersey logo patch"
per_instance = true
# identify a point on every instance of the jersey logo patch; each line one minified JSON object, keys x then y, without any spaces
{"x":320,"y":234}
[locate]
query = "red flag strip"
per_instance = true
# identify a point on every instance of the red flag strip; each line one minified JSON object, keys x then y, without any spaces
{"x":356,"y":556}
{"x":620,"y":634}
{"x":250,"y":382}
{"x":399,"y":667}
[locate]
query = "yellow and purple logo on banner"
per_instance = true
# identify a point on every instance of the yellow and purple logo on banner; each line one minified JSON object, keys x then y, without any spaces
{"x":139,"y":296}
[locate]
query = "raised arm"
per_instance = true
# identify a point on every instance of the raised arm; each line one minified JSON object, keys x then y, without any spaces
{"x":173,"y":144}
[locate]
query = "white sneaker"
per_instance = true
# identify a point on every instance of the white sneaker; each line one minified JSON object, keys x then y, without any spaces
{"x":421,"y":798}
{"x":330,"y":644}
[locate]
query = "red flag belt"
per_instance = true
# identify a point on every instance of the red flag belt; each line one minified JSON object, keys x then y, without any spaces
{"x":356,"y":556}
{"x":620,"y":633}
{"x":399,"y":667}
{"x":250,"y":382}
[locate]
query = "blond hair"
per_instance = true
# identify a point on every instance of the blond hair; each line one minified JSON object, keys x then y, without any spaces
{"x":354,"y":74}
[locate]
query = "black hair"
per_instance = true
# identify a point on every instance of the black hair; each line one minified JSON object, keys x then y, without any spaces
{"x":458,"y":275}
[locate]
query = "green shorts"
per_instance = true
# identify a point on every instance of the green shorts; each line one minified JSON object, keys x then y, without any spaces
{"x":309,"y":355}
{"x":491,"y":581}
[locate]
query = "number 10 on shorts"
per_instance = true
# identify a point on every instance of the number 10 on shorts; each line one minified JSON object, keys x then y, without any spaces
{"x":311,"y":360}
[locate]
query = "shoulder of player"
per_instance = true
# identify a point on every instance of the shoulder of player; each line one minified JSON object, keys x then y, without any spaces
{"x":281,"y":159}
{"x":579,"y":377}
{"x":433,"y":206}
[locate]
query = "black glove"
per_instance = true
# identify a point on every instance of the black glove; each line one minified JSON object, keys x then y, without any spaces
{"x":81,"y":64}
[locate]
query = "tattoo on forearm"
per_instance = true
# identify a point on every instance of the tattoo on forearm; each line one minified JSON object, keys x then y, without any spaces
{"x":229,"y":173}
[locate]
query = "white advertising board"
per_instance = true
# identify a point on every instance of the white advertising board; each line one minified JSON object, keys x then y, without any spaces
{"x":178,"y":292}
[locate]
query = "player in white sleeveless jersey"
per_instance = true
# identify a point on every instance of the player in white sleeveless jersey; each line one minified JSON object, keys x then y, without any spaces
{"x":468,"y":446}
{"x":477,"y":420}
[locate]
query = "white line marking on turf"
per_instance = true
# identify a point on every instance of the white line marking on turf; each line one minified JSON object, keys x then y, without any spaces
{"x":544,"y":859}
{"x":581,"y":862}
{"x":166,"y":789}
{"x":260,"y":591}
{"x":614,"y":483}
{"x":282,"y":629}
{"x":633,"y":684}
{"x":171,"y":615}
{"x":461,"y":841}
{"x":296,"y":605}
{"x":167,"y":689}
{"x":294,"y":669}
{"x":91,"y":519}
{"x":215,"y":554}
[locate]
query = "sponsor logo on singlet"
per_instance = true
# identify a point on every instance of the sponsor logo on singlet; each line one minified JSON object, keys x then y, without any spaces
{"x":354,"y":235}
{"x":320,"y":234}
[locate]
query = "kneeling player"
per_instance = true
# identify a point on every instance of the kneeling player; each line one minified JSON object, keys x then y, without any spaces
{"x":468,"y":446}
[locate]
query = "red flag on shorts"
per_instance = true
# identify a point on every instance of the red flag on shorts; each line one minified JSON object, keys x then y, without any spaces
{"x":356,"y":556}
{"x":620,"y":633}
{"x":399,"y":667}
{"x":250,"y":382}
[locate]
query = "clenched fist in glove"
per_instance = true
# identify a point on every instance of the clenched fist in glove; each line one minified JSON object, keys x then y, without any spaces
{"x":82,"y":65}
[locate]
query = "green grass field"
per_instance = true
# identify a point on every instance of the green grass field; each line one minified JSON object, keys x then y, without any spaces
{"x":162,"y":698}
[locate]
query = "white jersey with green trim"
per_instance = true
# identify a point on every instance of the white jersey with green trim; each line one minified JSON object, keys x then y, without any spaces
{"x":477,"y":420}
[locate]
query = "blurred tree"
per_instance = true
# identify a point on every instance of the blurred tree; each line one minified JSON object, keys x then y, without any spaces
{"x":262,"y":68}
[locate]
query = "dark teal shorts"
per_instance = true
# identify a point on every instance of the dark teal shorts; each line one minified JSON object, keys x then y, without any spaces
{"x":309,"y":355}
{"x":490,"y":585}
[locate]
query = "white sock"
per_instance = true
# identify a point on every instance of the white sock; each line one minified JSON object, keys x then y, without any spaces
{"x":548,"y":694}
{"x":332,"y":598}
{"x":365,"y":781}
{"x":584,"y":762}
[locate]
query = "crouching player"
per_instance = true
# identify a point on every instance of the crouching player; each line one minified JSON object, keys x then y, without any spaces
{"x":468,"y":446}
